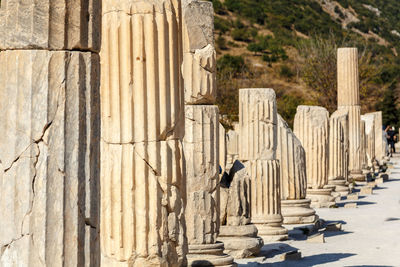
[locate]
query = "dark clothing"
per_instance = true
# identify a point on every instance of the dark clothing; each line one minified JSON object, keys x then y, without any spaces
{"x":391,"y":140}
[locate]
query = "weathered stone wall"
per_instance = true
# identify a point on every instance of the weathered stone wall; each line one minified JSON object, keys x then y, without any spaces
{"x":201,"y":146}
{"x":50,"y":127}
{"x":50,"y":25}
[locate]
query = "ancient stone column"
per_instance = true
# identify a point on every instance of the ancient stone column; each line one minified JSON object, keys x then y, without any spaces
{"x":50,"y":128}
{"x":201,"y":142}
{"x":257,"y":150}
{"x":237,"y":233}
{"x":291,"y":155}
{"x":349,"y":100}
{"x":232,"y":148}
{"x":311,"y":126}
{"x":142,"y":167}
{"x":380,"y":149}
{"x":338,"y":152}
{"x":369,"y":120}
{"x":222,"y":156}
{"x":364,"y":160}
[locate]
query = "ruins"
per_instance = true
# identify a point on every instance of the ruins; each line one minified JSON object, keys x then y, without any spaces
{"x":349,"y":100}
{"x":338,"y":152}
{"x":257,"y":151}
{"x":311,"y":126}
{"x":291,"y":155}
{"x":142,"y":170}
{"x":114,"y":152}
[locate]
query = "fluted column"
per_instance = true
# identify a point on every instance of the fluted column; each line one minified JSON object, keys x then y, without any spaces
{"x":257,"y":149}
{"x":291,"y":155}
{"x":201,"y":142}
{"x":349,"y":100}
{"x":380,"y":149}
{"x":311,"y":126}
{"x":142,"y":178}
{"x":50,"y":128}
{"x":232,"y":148}
{"x":369,"y":120}
{"x":338,"y":151}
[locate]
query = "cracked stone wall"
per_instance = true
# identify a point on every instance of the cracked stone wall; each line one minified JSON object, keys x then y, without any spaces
{"x":201,"y":146}
{"x":50,"y":128}
{"x":49,"y":153}
{"x":142,"y":111}
{"x":201,"y":142}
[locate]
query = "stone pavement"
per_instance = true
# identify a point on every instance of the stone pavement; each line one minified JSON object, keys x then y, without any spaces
{"x":370,"y":233}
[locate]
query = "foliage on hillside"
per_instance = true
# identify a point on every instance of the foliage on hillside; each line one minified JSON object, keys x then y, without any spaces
{"x":276,"y":43}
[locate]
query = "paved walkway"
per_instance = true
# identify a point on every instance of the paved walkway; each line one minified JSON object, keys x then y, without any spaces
{"x":370,"y":236}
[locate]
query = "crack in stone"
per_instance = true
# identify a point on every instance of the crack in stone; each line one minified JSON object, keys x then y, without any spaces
{"x":4,"y":247}
{"x":148,"y":164}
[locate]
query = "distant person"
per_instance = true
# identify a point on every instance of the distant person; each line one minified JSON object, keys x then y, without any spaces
{"x":385,"y":139}
{"x":392,"y":140}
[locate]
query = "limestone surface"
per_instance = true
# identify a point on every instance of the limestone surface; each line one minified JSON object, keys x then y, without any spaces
{"x":291,"y":155}
{"x":238,"y":235}
{"x":199,"y":56}
{"x":49,"y":154}
{"x":311,"y":125}
{"x":349,"y":100}
{"x":266,"y":199}
{"x":369,"y":120}
{"x":380,"y":150}
{"x":232,"y":148}
{"x":257,"y":124}
{"x":142,"y":109}
{"x":52,"y":25}
{"x":338,"y":152}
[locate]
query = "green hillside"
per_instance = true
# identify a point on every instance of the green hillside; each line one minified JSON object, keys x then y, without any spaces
{"x":290,"y":46}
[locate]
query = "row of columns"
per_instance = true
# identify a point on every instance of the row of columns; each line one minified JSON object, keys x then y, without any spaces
{"x":112,"y":147}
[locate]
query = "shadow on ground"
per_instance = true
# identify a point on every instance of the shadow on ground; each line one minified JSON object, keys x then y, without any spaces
{"x":335,"y":233}
{"x":306,"y":261}
{"x":359,"y":203}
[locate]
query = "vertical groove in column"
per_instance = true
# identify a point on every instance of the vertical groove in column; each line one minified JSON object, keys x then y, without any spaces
{"x":142,"y":121}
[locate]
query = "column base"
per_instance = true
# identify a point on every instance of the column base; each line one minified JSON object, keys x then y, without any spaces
{"x":357,"y":176}
{"x":321,"y":198}
{"x":298,"y":211}
{"x":240,"y":241}
{"x":271,"y":229}
{"x":207,"y":255}
{"x":341,"y":186}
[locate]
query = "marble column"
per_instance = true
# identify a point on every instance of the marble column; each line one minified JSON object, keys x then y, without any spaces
{"x":50,"y":128}
{"x":338,"y":152}
{"x":380,"y":146}
{"x":201,"y":141}
{"x":257,"y":151}
{"x":291,"y":155}
{"x":311,"y":126}
{"x":142,"y":111}
{"x":349,"y":100}
{"x":369,"y":120}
